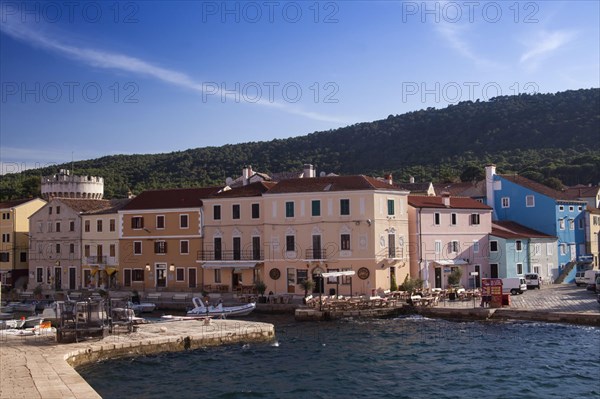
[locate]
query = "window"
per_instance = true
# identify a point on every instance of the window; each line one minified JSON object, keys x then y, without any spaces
{"x":289,"y":209}
{"x":579,"y":208}
{"x":217,"y":248}
{"x":436,"y":218}
{"x":438,"y":247}
{"x":474,"y":218}
{"x":39,"y":275}
{"x":571,"y":208}
{"x":40,"y":227}
{"x":49,"y":227}
{"x":86,"y":250}
{"x":561,"y":208}
{"x":57,"y":248}
{"x":160,"y":221}
{"x":391,"y":246}
{"x":519,"y":268}
{"x":180,"y":274}
{"x":453,"y":219}
{"x":6,"y":237}
{"x":137,"y":275}
{"x":112,"y":250}
{"x":561,"y":224}
{"x":549,"y":248}
{"x":345,"y":242}
{"x":137,"y":247}
{"x":112,"y":225}
{"x":58,"y":227}
{"x":184,"y":221}
{"x":518,"y":245}
{"x":493,"y":246}
{"x":563,"y":249}
{"x":99,"y":226}
{"x":50,"y":210}
{"x":290,"y":243}
{"x":255,"y":211}
{"x":453,"y":246}
{"x":160,"y":247}
{"x":537,"y":249}
{"x":217,"y":212}
{"x":301,"y":275}
{"x":184,"y":247}
{"x":58,"y":210}
{"x":316,"y":208}
{"x":72,"y":225}
{"x":235,"y":211}
{"x":530,"y":201}
{"x":390,"y":206}
{"x":86,"y":225}
{"x":291,"y":277}
{"x":475,"y":247}
{"x":256,"y":248}
{"x":344,"y":207}
{"x":571,"y":224}
{"x":505,"y":202}
{"x":237,"y":248}
{"x":4,"y":257}
{"x":71,"y":248}
{"x":137,"y":222}
{"x":580,"y":223}
{"x":217,"y":276}
{"x":23,"y":257}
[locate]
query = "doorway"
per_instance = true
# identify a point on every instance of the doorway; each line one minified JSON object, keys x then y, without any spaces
{"x":72,"y":278}
{"x":478,"y":277}
{"x":192,"y":277}
{"x":438,"y":277}
{"x":493,"y":270}
{"x":161,"y":275}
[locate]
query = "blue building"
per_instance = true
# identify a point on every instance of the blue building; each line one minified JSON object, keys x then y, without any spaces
{"x":516,"y":250}
{"x":541,"y":208}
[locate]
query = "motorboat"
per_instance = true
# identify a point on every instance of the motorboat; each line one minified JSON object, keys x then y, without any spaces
{"x":201,"y":310}
{"x":23,"y":323}
{"x":142,"y":307}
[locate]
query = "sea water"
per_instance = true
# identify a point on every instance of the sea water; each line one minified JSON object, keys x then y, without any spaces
{"x":410,"y":357}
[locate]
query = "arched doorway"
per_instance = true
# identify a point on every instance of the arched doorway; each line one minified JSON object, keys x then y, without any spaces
{"x":319,"y":287}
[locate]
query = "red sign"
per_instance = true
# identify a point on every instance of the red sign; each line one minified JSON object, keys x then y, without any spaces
{"x":491,"y":291}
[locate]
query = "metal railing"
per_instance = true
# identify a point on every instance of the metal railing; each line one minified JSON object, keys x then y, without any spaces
{"x":96,"y":260}
{"x":316,"y":253}
{"x":229,"y":255}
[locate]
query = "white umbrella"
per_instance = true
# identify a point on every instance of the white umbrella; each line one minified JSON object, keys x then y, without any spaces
{"x":425,"y":274}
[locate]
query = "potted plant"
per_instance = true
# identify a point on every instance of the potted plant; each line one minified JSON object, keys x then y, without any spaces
{"x":308,"y":285}
{"x":453,"y":281}
{"x":261,"y":287}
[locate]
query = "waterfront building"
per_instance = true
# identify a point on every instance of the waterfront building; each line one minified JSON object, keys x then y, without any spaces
{"x":160,"y":236}
{"x":14,"y":229}
{"x":100,"y":246}
{"x":591,"y":195}
{"x":515,"y":250}
{"x":335,"y":223}
{"x":232,"y":257}
{"x":446,"y":233}
{"x":56,"y":242}
{"x":538,"y":207}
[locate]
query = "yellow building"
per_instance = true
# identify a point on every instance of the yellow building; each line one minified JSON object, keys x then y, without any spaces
{"x":159,"y":240}
{"x":14,"y":228}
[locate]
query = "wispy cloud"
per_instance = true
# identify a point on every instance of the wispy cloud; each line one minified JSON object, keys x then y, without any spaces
{"x":122,"y":62}
{"x":543,"y":45}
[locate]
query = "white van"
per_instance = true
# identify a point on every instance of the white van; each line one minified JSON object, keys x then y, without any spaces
{"x":580,"y":278}
{"x":589,"y":279}
{"x":514,"y":285}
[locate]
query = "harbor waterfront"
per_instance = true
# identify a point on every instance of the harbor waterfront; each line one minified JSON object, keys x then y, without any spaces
{"x":407,"y":357}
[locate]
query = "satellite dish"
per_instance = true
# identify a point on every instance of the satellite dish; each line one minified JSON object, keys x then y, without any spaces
{"x":228,"y":181}
{"x":322,"y":174}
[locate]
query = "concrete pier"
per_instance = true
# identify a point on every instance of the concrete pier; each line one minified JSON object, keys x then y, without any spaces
{"x":37,"y":367}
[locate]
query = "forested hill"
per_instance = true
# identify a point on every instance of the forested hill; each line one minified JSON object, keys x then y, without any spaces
{"x":543,"y":136}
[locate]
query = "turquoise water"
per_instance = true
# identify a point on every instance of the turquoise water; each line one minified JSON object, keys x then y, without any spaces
{"x":400,"y":358}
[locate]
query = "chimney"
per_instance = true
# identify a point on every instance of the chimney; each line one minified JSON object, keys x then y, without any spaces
{"x":411,"y":179}
{"x":446,"y":199}
{"x":490,"y":172}
{"x":246,"y":174}
{"x":308,"y":171}
{"x":389,"y":179}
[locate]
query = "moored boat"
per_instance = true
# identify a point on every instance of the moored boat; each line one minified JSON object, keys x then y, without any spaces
{"x":201,"y":310}
{"x":142,"y":307}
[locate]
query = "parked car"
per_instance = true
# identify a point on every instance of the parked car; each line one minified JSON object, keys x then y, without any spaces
{"x":514,"y":285}
{"x":591,"y":276}
{"x":533,"y":280}
{"x":580,"y":278}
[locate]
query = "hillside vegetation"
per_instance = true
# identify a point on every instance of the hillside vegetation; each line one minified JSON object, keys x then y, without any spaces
{"x":550,"y":138}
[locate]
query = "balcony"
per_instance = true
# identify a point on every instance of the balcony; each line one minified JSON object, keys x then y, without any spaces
{"x":229,"y":255}
{"x":316,"y":253}
{"x":96,"y":260}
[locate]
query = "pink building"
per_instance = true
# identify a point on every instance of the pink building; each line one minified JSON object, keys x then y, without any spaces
{"x":446,"y":233}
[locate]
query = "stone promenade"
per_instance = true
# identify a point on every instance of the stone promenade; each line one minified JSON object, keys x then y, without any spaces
{"x":37,"y":367}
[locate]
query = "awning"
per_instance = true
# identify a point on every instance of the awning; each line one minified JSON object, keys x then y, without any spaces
{"x":455,"y":262}
{"x":229,"y":265}
{"x":111,"y":270}
{"x":338,"y":274}
{"x":94,"y":270}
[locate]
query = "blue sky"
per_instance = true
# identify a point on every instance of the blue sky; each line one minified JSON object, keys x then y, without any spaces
{"x":87,"y":79}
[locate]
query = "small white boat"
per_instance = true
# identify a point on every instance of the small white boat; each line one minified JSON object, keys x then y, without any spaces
{"x":200,"y":310}
{"x":142,"y":307}
{"x":30,"y":322}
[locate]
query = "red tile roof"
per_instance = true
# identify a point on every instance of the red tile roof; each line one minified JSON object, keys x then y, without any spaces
{"x":463,"y":189}
{"x":171,"y":198}
{"x":115,"y":206}
{"x":418,"y":201}
{"x":13,"y":203}
{"x":251,"y":190}
{"x":581,"y":191}
{"x":538,"y":187}
{"x":507,"y":229}
{"x":330,"y":183}
{"x":85,"y":205}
